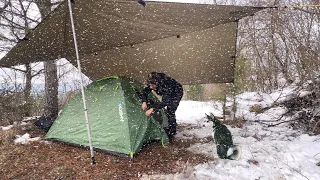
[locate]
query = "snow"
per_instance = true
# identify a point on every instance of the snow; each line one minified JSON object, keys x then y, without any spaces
{"x":22,"y":139}
{"x":25,"y":139}
{"x":193,"y":111}
{"x":5,"y":128}
{"x":267,"y":152}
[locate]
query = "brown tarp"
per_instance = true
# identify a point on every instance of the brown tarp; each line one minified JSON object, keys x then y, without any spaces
{"x":194,"y":43}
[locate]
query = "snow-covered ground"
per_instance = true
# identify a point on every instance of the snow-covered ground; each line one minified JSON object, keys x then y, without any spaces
{"x":268,"y":153}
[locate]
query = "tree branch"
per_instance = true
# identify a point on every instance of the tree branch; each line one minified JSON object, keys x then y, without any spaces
{"x":12,"y":23}
{"x":272,"y":125}
{"x":22,"y":16}
{"x":307,"y":11}
{"x":6,"y":4}
{"x":37,"y":73}
{"x":16,"y":69}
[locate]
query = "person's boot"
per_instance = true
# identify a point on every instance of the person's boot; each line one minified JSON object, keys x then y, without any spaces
{"x":169,"y":133}
{"x":172,"y":125}
{"x":173,"y":129}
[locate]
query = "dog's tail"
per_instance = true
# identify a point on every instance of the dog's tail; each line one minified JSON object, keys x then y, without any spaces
{"x":234,"y":152}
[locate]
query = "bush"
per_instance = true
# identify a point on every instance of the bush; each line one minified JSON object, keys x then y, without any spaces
{"x":256,"y":108}
{"x":11,"y":110}
{"x":195,"y":92}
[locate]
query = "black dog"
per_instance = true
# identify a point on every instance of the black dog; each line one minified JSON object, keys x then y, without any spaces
{"x":223,"y":139}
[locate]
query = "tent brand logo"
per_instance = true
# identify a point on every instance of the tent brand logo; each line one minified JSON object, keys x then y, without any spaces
{"x":120,"y":111}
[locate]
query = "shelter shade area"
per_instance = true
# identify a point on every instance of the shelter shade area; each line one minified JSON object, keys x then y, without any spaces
{"x":194,"y":43}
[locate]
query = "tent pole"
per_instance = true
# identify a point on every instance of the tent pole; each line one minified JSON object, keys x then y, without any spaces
{"x":82,"y":89}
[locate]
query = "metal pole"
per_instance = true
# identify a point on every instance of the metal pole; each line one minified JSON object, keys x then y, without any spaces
{"x":82,"y":89}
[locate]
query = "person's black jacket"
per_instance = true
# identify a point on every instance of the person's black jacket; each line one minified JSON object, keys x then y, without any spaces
{"x":170,"y":90}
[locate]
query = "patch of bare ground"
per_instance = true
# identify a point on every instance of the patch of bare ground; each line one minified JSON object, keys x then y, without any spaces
{"x":40,"y":160}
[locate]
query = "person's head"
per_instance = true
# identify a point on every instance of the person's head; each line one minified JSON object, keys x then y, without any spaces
{"x":153,"y":80}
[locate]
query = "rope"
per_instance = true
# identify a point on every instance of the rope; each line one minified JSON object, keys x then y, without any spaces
{"x":303,"y":6}
{"x":299,"y":7}
{"x":296,"y":7}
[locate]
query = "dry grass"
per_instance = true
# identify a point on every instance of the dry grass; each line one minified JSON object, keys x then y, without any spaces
{"x":257,"y":109}
{"x":39,"y":160}
{"x":236,"y":123}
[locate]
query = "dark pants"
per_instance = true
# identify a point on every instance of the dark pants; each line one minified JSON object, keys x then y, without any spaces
{"x":171,"y":114}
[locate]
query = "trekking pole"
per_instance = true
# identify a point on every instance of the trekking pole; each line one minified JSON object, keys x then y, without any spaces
{"x":82,"y":89}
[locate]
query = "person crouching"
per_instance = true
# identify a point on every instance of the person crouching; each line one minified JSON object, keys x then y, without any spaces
{"x":171,"y":92}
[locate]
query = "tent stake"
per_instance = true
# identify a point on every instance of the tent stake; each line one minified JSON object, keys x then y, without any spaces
{"x":82,"y":89}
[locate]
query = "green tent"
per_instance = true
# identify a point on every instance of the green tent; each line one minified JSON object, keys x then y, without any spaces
{"x":118,"y":124}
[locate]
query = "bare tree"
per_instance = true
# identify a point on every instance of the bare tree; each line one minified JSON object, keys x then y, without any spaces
{"x":15,"y":20}
{"x":282,"y":42}
{"x":51,"y":104}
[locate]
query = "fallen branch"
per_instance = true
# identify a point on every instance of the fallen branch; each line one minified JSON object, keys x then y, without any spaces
{"x":316,"y":154}
{"x":272,"y":125}
{"x":271,"y":121}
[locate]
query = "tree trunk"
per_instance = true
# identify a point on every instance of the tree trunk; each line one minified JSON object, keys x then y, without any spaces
{"x":51,"y":106}
{"x":44,"y":7}
{"x":27,"y":92}
{"x":51,"y":90}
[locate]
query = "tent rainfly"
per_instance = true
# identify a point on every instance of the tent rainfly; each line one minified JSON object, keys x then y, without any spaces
{"x":118,"y":124}
{"x":193,"y":43}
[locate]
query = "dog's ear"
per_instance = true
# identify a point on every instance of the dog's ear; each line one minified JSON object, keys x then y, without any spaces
{"x":213,"y":117}
{"x":209,"y":117}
